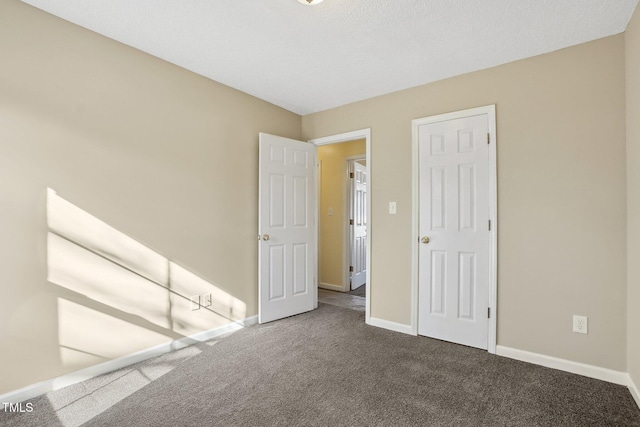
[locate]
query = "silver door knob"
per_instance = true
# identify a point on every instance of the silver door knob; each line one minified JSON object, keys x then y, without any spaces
{"x":425,"y":240}
{"x":265,"y":237}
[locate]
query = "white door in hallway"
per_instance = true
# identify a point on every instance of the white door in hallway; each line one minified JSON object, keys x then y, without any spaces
{"x":453,"y":271}
{"x":359,"y":226}
{"x":287,"y":214}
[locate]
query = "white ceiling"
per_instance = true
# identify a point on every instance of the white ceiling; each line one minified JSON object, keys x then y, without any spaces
{"x":311,"y":58}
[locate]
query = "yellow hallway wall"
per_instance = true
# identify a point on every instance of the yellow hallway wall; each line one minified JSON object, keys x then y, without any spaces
{"x":163,"y":155}
{"x":561,"y":195}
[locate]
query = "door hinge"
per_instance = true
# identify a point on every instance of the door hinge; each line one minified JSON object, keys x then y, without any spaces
{"x":488,"y":312}
{"x":350,"y":222}
{"x":489,"y":225}
{"x":351,"y":175}
{"x":488,"y":138}
{"x":351,"y":268}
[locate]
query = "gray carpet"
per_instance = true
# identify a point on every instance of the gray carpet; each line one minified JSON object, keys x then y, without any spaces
{"x":359,"y":292}
{"x":328,"y":367}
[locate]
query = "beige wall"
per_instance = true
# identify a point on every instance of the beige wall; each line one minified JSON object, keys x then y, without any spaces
{"x":332,"y":195}
{"x":632,"y":44}
{"x":561,"y":195}
{"x":164,"y":156}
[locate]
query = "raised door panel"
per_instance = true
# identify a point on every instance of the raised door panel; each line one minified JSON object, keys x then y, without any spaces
{"x":277,"y":268}
{"x":437,"y":282}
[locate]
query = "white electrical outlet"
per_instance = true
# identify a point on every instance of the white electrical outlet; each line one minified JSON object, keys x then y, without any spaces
{"x":206,"y":300}
{"x":195,"y":302}
{"x":580,"y":324}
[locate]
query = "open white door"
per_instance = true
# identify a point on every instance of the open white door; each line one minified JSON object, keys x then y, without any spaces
{"x":359,"y":226}
{"x":286,"y":223}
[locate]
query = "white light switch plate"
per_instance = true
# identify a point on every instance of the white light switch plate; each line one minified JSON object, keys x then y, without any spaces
{"x":392,"y":208}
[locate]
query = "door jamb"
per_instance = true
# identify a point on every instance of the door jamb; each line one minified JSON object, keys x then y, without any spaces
{"x":490,"y":111}
{"x":345,"y":137}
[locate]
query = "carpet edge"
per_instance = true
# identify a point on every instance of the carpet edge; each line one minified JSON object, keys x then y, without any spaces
{"x":57,"y":383}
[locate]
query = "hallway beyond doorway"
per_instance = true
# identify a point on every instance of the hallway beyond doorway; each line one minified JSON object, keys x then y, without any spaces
{"x":342,"y":299}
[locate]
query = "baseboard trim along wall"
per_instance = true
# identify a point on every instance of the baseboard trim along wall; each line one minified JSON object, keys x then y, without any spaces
{"x":331,"y":287}
{"x":635,"y":392}
{"x":604,"y":374}
{"x":392,"y":326}
{"x":63,"y":381}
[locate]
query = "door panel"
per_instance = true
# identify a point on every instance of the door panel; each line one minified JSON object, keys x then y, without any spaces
{"x":359,"y":215}
{"x":453,"y":214}
{"x":287,"y":247}
{"x":276,"y":272}
{"x":438,"y":281}
{"x":300,"y":270}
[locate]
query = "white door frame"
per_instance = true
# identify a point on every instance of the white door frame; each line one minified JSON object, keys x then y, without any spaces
{"x":490,"y":110}
{"x":346,"y":137}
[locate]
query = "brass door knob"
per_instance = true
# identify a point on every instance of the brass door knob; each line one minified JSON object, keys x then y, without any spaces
{"x":425,"y":240}
{"x":265,"y":237}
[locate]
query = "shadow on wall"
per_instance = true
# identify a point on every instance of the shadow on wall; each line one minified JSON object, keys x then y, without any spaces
{"x":120,"y":296}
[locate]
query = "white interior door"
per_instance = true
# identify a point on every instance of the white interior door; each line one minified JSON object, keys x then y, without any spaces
{"x":453,"y":273}
{"x":359,"y":227}
{"x":287,"y":214}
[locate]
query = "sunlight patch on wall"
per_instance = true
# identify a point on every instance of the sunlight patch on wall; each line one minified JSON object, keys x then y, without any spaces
{"x":89,"y":336}
{"x":125,"y":296}
{"x":185,"y":282}
{"x":103,"y":281}
{"x":76,"y":225}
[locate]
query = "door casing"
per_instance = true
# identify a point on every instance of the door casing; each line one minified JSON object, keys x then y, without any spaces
{"x":345,"y":137}
{"x":490,"y":110}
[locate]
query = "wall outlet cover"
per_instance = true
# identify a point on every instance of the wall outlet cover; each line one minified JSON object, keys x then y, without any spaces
{"x":206,"y":300}
{"x":580,"y":324}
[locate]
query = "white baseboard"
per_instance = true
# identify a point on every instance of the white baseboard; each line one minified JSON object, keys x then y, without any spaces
{"x":635,"y":392}
{"x":331,"y":286}
{"x":392,"y":326}
{"x":250,"y":321}
{"x":604,"y":374}
{"x":63,"y":381}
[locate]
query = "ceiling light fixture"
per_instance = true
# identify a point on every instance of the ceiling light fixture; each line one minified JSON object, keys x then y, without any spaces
{"x":310,"y":2}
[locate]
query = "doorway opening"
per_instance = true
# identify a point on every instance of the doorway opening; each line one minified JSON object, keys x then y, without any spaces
{"x":343,"y":220}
